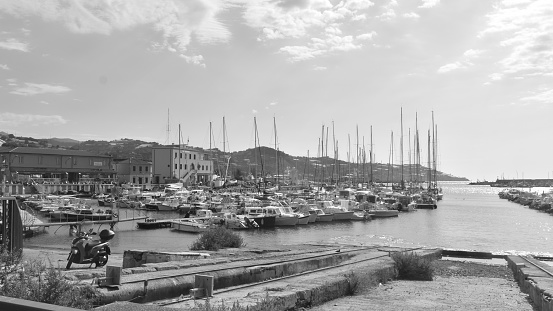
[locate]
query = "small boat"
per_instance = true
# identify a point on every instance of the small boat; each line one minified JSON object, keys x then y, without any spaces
{"x":339,"y":212}
{"x":152,"y":223}
{"x":282,"y":218}
{"x":322,"y":216}
{"x":87,"y":214}
{"x":383,"y":213}
{"x":189,"y":225}
{"x":259,"y":215}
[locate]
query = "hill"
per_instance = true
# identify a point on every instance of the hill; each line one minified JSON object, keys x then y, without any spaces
{"x":262,"y":160}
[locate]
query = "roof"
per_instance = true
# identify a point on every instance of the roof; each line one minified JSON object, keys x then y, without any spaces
{"x":29,"y":150}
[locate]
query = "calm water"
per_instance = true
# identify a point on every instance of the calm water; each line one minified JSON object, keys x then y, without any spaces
{"x":469,"y":217}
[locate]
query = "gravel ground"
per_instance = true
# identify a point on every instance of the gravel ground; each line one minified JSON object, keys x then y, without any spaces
{"x":457,"y":285}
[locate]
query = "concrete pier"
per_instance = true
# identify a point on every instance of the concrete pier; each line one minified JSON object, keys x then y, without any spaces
{"x":312,"y":278}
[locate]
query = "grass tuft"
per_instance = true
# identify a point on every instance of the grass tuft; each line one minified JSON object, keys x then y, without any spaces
{"x":410,"y":266}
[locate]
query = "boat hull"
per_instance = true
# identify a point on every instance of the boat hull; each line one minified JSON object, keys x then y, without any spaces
{"x":285,"y":221}
{"x":342,"y":216}
{"x":303,"y":220}
{"x":188,"y":226}
{"x":325,"y":218}
{"x":384,"y":213}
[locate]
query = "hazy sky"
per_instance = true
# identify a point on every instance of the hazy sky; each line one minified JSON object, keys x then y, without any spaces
{"x":110,"y":69}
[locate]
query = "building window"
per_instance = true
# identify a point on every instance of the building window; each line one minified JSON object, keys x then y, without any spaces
{"x":140,"y":168}
{"x":185,"y":167}
{"x":146,"y":180}
{"x":134,"y":168}
{"x":146,"y":168}
{"x":175,"y":166}
{"x":175,"y":155}
{"x":194,"y":157}
{"x":134,"y":180}
{"x":180,"y":165}
{"x":74,"y":161}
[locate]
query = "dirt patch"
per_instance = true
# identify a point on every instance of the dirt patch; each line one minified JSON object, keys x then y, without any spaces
{"x":456,"y":286}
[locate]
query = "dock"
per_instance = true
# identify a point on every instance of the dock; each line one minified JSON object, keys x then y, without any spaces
{"x":79,"y":224}
{"x":152,"y":223}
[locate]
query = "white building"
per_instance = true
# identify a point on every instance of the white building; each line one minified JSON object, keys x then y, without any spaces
{"x":182,"y":163}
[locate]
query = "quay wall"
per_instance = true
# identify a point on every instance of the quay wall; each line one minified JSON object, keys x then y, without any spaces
{"x":535,"y":282}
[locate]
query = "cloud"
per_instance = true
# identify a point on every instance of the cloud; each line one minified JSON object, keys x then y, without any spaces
{"x":542,"y":96}
{"x":528,"y":29}
{"x":279,"y":19}
{"x":44,"y":102}
{"x":465,"y":62}
{"x":319,"y":68}
{"x":15,"y":45}
{"x":411,"y":15}
{"x":273,"y":104}
{"x":176,"y":21}
{"x":254,"y":111}
{"x":31,"y":89}
{"x":196,"y":60}
{"x":450,"y":67}
{"x":4,"y":66}
{"x":429,"y":4}
{"x":326,"y":45}
{"x":12,"y":119}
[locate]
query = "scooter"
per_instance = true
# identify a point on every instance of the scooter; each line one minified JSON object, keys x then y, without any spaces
{"x":85,"y":249}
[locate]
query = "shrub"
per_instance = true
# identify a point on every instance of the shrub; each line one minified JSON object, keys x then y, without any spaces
{"x":411,"y":266}
{"x":217,"y":238}
{"x":33,"y":280}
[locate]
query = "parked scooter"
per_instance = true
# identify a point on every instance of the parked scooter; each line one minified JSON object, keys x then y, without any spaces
{"x":85,"y":249}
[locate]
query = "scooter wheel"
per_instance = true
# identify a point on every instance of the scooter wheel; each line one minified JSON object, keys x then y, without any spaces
{"x":69,"y":262}
{"x":100,"y":262}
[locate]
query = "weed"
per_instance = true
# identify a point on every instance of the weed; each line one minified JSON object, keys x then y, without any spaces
{"x":217,"y":238}
{"x":353,"y":283}
{"x":34,"y":280}
{"x":411,"y":266}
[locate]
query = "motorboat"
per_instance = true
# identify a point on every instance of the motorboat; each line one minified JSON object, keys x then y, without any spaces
{"x":339,"y":212}
{"x":282,"y":217}
{"x":260,"y":216}
{"x":322,"y":216}
{"x":191,"y":225}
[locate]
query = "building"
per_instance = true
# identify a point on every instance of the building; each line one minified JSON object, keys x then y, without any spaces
{"x":189,"y":165}
{"x":54,"y":165}
{"x":134,"y":171}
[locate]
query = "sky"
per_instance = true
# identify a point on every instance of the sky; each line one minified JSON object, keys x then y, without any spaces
{"x":475,"y":75}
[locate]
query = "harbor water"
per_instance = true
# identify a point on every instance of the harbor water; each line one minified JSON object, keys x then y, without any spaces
{"x":469,"y":218}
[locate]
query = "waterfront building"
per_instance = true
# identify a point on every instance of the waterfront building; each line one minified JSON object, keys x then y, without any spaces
{"x":134,"y":171}
{"x":185,"y":164}
{"x":40,"y":165}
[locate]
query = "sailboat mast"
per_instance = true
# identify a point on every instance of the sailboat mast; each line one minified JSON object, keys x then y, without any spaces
{"x":371,"y":156}
{"x":276,"y":151}
{"x":402,"y":185}
{"x":180,"y":156}
{"x":429,"y":163}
